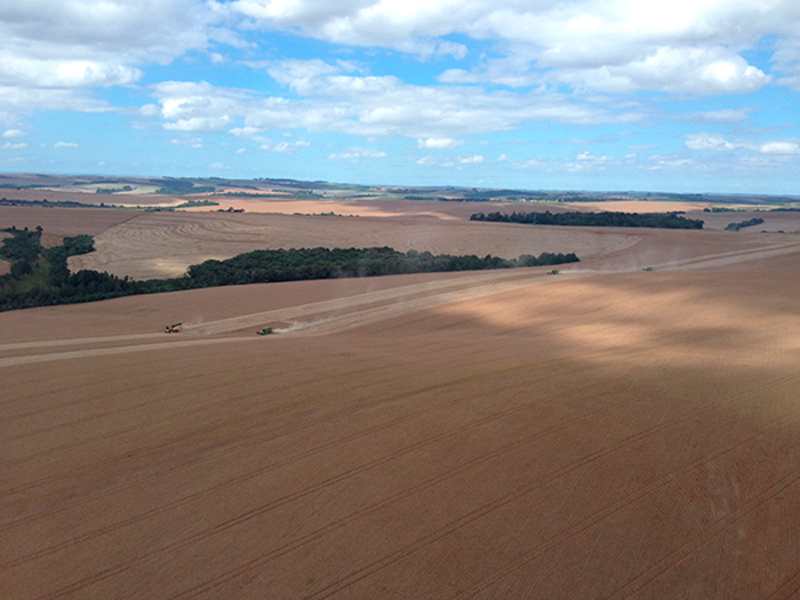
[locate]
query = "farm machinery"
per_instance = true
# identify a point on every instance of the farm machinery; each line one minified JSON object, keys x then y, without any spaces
{"x":174,"y":328}
{"x":265,"y":331}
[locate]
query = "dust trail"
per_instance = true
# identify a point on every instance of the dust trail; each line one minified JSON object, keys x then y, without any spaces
{"x":300,"y":325}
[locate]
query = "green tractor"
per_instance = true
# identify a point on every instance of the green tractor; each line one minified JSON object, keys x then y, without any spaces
{"x":265,"y":331}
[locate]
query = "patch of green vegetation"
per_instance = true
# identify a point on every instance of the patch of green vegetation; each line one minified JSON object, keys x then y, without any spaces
{"x":45,"y":203}
{"x":41,"y":277}
{"x":723,"y":209}
{"x":741,"y":224}
{"x":110,"y":190}
{"x":180,"y":187}
{"x":590,"y":219}
{"x":196,"y":203}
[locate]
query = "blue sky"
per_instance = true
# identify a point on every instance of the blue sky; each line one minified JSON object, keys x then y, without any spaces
{"x":685,"y":95}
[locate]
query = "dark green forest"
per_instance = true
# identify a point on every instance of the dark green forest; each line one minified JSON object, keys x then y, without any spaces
{"x":40,"y":277}
{"x":590,"y":219}
{"x":741,"y":224}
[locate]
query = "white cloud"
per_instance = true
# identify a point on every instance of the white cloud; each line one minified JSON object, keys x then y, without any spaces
{"x":50,"y":52}
{"x":12,"y":146}
{"x":13,"y":133}
{"x":191,"y":143}
{"x":438,"y":144}
{"x":471,"y":160}
{"x":284,"y":147}
{"x":357,"y":154}
{"x":365,"y":106}
{"x":245,"y":131}
{"x":709,"y":142}
{"x":779,"y":147}
{"x":199,"y":124}
{"x":65,"y":145}
{"x":728,"y":115}
{"x":692,"y":46}
{"x":198,"y":107}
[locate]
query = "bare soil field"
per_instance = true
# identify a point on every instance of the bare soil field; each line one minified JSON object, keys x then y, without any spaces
{"x":165,"y":244}
{"x":788,"y":221}
{"x":60,"y":222}
{"x":603,"y":433}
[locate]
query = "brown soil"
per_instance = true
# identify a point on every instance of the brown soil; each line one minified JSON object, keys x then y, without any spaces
{"x":603,"y":433}
{"x":60,"y":222}
{"x":166,"y":244}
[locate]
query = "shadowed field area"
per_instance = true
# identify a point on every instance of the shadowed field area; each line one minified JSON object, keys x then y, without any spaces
{"x":604,"y":433}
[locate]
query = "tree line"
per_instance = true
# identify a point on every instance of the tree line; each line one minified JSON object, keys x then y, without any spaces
{"x":40,"y":277}
{"x":591,"y":219}
{"x":747,"y":223}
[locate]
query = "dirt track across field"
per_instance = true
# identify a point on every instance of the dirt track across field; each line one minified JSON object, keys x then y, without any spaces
{"x":607,"y":432}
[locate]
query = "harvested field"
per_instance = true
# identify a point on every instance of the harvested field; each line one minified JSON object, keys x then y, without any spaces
{"x":60,"y":222}
{"x":603,"y":433}
{"x":166,"y":244}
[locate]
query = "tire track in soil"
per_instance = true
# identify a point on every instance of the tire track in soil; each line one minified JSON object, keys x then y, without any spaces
{"x":494,"y":505}
{"x":428,"y":294}
{"x":401,"y":495}
{"x":117,"y":432}
{"x":522,"y":561}
{"x":532,"y":554}
{"x":159,"y":448}
{"x":336,"y":417}
{"x":80,"y":341}
{"x":788,"y":589}
{"x":262,"y":470}
{"x":731,"y":257}
{"x":289,"y":498}
{"x":15,"y":361}
{"x":707,"y":535}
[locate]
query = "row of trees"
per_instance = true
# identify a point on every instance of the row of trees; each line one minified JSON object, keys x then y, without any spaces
{"x":747,"y":223}
{"x":262,"y":266}
{"x":590,"y":219}
{"x":41,"y":277}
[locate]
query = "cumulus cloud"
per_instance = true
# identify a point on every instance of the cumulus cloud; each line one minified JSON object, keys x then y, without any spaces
{"x":284,"y":147}
{"x":692,"y":46}
{"x":438,"y":144}
{"x":354,"y":154}
{"x":119,"y":31}
{"x":475,"y":159}
{"x":709,"y":142}
{"x":51,"y":51}
{"x":712,"y":142}
{"x":13,"y":133}
{"x":780,"y":147}
{"x":197,"y":106}
{"x":65,"y":145}
{"x":333,"y":100}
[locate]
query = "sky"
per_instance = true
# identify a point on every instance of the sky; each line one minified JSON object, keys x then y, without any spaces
{"x":693,"y":96}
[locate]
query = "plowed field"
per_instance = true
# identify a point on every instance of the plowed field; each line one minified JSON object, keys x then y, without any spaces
{"x":603,"y":433}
